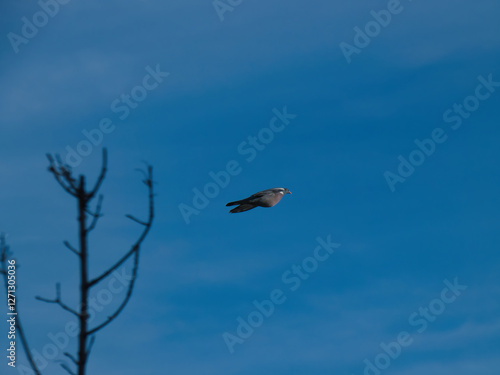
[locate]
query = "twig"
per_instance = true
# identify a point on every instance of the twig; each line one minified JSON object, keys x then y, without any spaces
{"x":71,"y":357}
{"x":65,"y":366}
{"x":58,"y":301}
{"x":136,"y":220}
{"x":98,"y":183}
{"x":91,"y":344}
{"x":62,"y":174}
{"x":95,"y":215}
{"x":67,"y":244}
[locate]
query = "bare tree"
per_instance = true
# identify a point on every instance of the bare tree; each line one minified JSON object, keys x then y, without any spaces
{"x":87,"y":220}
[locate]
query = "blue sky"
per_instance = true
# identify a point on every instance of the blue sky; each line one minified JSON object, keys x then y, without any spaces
{"x":355,"y":121}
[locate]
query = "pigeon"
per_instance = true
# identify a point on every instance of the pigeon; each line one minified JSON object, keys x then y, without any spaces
{"x":264,"y":198}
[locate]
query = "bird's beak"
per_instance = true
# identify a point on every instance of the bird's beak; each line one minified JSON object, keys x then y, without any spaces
{"x":289,"y":192}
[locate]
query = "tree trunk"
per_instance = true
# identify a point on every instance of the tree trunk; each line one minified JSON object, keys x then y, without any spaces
{"x":82,"y":339}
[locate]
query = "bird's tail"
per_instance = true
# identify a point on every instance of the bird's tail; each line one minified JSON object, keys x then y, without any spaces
{"x":241,"y":208}
{"x":235,"y":203}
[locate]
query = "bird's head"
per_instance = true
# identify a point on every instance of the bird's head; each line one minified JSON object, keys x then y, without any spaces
{"x":286,"y":191}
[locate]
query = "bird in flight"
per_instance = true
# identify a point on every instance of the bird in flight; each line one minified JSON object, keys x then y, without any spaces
{"x":264,"y":198}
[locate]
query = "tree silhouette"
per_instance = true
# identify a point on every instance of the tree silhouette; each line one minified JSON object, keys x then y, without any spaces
{"x":87,"y":220}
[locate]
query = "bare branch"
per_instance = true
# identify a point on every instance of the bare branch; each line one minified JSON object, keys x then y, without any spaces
{"x":71,"y":357}
{"x":5,"y":254}
{"x":58,"y":301}
{"x":66,"y":367}
{"x":95,"y":215}
{"x":91,"y":344}
{"x":136,"y":220}
{"x":98,"y":183}
{"x":142,"y":171}
{"x":65,"y":171}
{"x":114,"y":267}
{"x":67,"y":244}
{"x":68,"y":189}
{"x":136,"y":246}
{"x":4,"y":249}
{"x":134,"y":250}
{"x":125,"y":301}
{"x":62,"y":174}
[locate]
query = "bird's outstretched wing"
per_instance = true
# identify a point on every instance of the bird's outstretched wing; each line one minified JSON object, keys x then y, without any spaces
{"x":242,"y":208}
{"x":250,"y":198}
